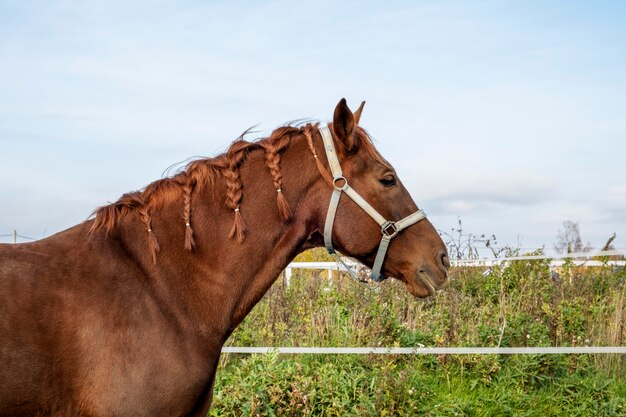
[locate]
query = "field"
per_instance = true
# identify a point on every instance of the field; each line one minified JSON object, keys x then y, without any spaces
{"x":524,"y":304}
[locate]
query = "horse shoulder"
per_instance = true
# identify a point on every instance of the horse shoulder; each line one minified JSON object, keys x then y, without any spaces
{"x":81,"y":328}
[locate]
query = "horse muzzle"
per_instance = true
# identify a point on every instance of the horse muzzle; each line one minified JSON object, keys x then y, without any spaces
{"x":434,"y":278}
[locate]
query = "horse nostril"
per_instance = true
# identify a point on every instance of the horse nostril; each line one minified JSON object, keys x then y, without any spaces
{"x":444,"y":261}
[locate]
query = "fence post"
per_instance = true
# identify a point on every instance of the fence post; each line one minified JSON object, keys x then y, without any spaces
{"x":14,"y":236}
{"x":288,"y":276}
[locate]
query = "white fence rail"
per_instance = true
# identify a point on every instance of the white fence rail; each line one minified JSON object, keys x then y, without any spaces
{"x":431,"y":351}
{"x":555,"y":261}
{"x":576,"y":259}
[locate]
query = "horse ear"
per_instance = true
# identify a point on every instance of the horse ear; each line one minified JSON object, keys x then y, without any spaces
{"x":357,"y":113}
{"x":343,"y":125}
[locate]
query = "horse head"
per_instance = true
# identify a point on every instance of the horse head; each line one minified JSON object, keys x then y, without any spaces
{"x":374,"y":219}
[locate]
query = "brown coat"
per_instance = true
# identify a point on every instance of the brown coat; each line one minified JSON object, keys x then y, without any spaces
{"x":126,"y":314}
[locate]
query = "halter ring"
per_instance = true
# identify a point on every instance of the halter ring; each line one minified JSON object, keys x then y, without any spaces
{"x":342,"y":187}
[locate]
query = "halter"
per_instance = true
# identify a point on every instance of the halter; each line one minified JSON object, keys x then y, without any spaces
{"x":389,"y":229}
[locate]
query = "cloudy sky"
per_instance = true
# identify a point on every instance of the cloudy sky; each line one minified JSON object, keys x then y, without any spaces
{"x":508,"y":115}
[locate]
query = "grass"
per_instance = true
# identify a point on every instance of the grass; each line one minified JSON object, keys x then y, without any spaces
{"x":524,"y":304}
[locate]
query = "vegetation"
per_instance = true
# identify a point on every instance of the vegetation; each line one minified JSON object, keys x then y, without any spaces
{"x":568,"y":239}
{"x":523,"y":303}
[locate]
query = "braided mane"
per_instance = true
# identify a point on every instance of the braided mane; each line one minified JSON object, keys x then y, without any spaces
{"x":207,"y":171}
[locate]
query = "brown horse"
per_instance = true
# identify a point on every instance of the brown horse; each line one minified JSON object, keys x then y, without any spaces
{"x":126,"y":314}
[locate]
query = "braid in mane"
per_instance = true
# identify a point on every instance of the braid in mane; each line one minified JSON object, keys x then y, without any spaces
{"x":188,"y":187}
{"x":205,"y":172}
{"x":276,"y":144}
{"x":195,"y":172}
{"x":153,"y":243}
{"x":320,"y":167}
{"x":107,"y":217}
{"x":234,"y":187}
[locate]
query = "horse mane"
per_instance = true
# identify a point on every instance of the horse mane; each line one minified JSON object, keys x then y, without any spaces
{"x":206,"y":171}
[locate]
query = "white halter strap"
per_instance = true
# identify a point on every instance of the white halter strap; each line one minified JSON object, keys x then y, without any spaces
{"x":389,"y":229}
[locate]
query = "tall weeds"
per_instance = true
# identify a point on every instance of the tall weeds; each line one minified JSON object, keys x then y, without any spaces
{"x":521,"y":303}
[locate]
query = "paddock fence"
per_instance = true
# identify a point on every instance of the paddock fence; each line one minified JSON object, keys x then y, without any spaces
{"x":549,"y":350}
{"x":580,"y":259}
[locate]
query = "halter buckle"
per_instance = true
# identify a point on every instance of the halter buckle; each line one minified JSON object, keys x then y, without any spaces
{"x":389,"y":229}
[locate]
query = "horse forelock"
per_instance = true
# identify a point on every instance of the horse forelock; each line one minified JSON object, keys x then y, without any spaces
{"x":367,"y":144}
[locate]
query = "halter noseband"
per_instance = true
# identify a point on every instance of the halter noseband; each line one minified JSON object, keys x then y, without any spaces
{"x":389,"y":229}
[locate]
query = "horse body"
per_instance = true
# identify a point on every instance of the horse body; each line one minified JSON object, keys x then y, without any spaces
{"x":99,"y":320}
{"x":96,"y":328}
{"x":88,"y":334}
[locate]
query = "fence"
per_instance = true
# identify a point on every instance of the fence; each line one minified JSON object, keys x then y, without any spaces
{"x":555,"y":261}
{"x":431,"y":351}
{"x":15,"y":235}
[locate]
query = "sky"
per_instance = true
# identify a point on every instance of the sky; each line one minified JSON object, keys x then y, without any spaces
{"x":510,"y":116}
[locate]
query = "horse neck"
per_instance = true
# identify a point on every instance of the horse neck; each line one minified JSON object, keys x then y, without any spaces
{"x":221,"y":279}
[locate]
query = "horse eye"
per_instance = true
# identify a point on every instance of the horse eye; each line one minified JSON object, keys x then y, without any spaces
{"x":389,"y":181}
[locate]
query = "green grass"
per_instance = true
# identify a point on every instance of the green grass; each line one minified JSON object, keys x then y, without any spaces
{"x":523,"y":304}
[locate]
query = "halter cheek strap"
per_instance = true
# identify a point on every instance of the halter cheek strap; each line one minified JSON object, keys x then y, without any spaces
{"x":389,"y":229}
